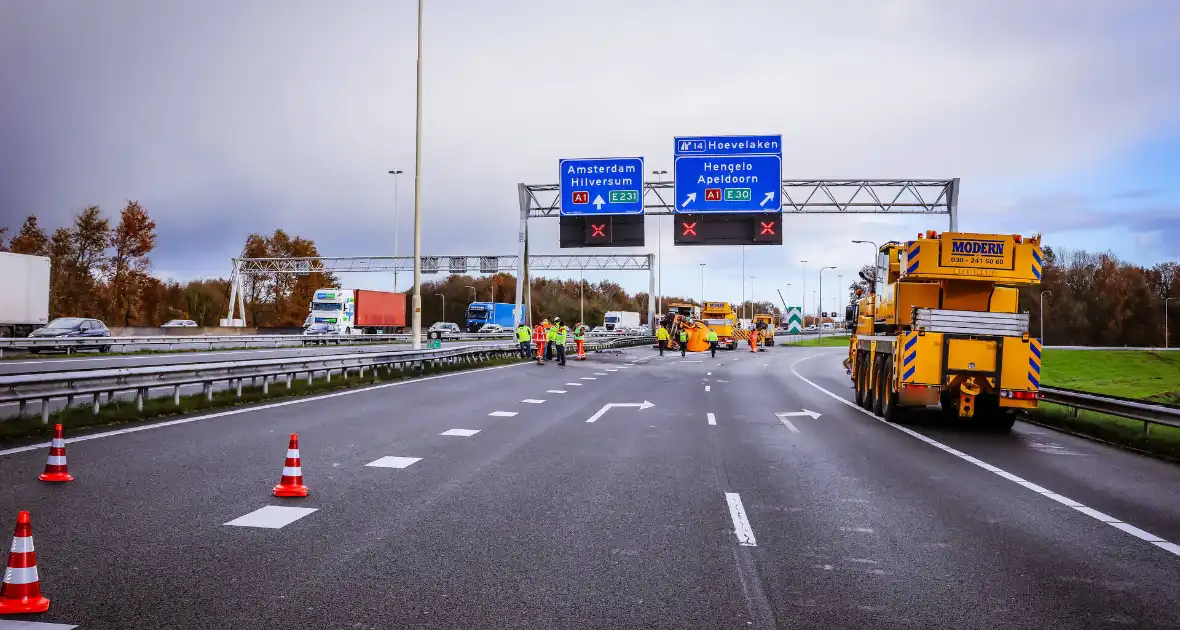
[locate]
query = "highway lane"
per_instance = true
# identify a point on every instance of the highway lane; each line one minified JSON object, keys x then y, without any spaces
{"x":542,"y":519}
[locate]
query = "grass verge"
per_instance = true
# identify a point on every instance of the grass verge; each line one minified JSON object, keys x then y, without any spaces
{"x":827,"y":342}
{"x":79,"y":418}
{"x":57,"y":354}
{"x":1153,"y":376}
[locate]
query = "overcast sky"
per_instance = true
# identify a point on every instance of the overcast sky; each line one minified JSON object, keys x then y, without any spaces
{"x":225,"y":117}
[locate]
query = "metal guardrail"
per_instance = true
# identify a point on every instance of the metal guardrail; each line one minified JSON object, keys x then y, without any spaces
{"x":74,"y":344}
{"x":93,"y":382}
{"x":1147,"y":413}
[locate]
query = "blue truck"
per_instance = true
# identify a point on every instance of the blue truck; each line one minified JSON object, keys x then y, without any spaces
{"x":480,"y":313}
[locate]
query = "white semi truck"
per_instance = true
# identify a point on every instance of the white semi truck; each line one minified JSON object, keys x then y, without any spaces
{"x":620,"y":319}
{"x":25,"y":305}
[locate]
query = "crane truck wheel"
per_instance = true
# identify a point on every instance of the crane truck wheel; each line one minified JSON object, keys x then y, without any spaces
{"x":889,"y":408}
{"x":881,"y":388}
{"x":868,"y":404}
{"x":858,"y":382}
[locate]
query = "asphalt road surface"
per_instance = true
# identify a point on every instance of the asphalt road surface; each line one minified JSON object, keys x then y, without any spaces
{"x":736,"y":492}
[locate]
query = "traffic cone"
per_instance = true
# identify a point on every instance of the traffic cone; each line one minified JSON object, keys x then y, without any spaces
{"x":291,"y":484}
{"x":55,"y":465}
{"x":20,"y":593}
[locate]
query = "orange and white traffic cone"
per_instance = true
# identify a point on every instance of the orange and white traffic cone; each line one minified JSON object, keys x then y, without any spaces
{"x":55,"y":465}
{"x":291,"y":483}
{"x":20,"y":593}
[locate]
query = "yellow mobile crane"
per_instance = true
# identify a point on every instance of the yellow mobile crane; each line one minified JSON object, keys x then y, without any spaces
{"x":940,"y":326}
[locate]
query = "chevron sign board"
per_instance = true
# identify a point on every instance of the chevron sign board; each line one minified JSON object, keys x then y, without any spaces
{"x":794,"y":319}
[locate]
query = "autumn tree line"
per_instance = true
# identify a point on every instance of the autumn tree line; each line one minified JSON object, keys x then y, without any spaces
{"x":100,"y":266}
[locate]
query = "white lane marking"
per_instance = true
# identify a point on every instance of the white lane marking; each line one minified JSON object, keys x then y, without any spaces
{"x":574,"y":384}
{"x":765,"y":365}
{"x":460,"y":432}
{"x":741,"y":525}
{"x":690,"y":361}
{"x":234,"y":412}
{"x":711,"y":418}
{"x":503,"y":414}
{"x":708,"y":388}
{"x":271,"y":517}
{"x":611,"y":370}
{"x":392,"y":461}
{"x":708,"y":374}
{"x":555,"y":391}
{"x":719,"y":365}
{"x":859,"y":530}
{"x":589,"y":378}
{"x":1092,"y":513}
{"x":532,"y":401}
{"x":790,"y":426}
{"x":10,"y":624}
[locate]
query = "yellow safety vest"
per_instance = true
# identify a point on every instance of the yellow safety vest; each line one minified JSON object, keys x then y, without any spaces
{"x":712,"y":335}
{"x":662,"y":334}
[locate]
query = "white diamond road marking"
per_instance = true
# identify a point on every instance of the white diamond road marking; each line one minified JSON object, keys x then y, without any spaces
{"x":1170,"y":547}
{"x":532,"y":401}
{"x":391,"y":461}
{"x":271,"y":517}
{"x":460,"y":432}
{"x":503,"y":414}
{"x":555,"y":391}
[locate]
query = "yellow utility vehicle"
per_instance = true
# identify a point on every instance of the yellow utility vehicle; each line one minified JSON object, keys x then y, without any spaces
{"x":941,"y":326}
{"x":765,"y":324}
{"x":721,"y":319}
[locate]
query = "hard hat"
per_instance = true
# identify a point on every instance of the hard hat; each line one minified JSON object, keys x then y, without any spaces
{"x":557,"y":320}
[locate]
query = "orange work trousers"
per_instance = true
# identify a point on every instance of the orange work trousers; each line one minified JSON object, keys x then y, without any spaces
{"x":581,"y":349}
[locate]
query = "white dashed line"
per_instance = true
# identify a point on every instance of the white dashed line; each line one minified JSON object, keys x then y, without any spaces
{"x":611,"y":370}
{"x":708,"y":388}
{"x":532,"y":401}
{"x":503,"y":414}
{"x":600,"y":374}
{"x":1170,"y":547}
{"x":708,"y":374}
{"x":574,"y":384}
{"x":711,"y":418}
{"x":741,"y":526}
{"x":859,"y":530}
{"x":589,"y":378}
{"x":460,"y":432}
{"x":555,"y":391}
{"x":271,"y":517}
{"x":391,"y":461}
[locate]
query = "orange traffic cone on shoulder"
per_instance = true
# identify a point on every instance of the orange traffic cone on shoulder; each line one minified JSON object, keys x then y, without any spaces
{"x":20,"y":593}
{"x":55,"y":465}
{"x":291,"y":483}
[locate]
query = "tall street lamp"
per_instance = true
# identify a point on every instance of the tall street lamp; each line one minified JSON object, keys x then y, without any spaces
{"x":702,"y":287}
{"x":474,"y":297}
{"x":804,"y":305}
{"x":1166,"y":300}
{"x":395,"y":174}
{"x":660,"y":249}
{"x":1042,"y":309}
{"x":444,"y":306}
{"x":753,"y":311}
{"x":416,"y":331}
{"x":821,"y":301}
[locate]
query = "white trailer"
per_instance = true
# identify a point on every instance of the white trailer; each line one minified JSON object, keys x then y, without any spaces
{"x":25,"y":306}
{"x":620,"y":319}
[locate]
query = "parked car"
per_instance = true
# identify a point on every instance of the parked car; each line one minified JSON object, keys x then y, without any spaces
{"x":71,"y":328}
{"x":492,"y":329}
{"x":180,"y":323}
{"x":319,"y":329}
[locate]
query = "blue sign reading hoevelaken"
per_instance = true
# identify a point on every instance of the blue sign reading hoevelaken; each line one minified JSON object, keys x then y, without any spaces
{"x":598,"y":186}
{"x":728,"y":174}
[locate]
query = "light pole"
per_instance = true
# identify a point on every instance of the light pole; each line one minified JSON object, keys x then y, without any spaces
{"x":752,"y":310}
{"x":416,"y":330}
{"x":474,"y":297}
{"x":821,"y":301}
{"x":1042,"y":313}
{"x":660,"y":250}
{"x":444,"y":306}
{"x":395,"y":173}
{"x":1166,"y":300}
{"x":581,"y":293}
{"x":743,"y":281}
{"x":702,"y":287}
{"x":804,"y":305}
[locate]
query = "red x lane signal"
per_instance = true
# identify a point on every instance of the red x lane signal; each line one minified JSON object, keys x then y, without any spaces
{"x":690,"y":229}
{"x":767,"y":228}
{"x":598,"y":230}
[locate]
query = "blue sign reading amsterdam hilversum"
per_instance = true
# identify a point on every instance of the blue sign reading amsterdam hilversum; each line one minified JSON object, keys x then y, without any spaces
{"x":601,"y":186}
{"x":728,"y":174}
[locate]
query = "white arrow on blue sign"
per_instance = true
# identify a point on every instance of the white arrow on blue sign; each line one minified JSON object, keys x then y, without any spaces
{"x":728,"y":174}
{"x":600,"y":186}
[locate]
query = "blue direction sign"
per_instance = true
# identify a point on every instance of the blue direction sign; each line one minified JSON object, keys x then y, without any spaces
{"x":601,"y":186}
{"x":729,"y":174}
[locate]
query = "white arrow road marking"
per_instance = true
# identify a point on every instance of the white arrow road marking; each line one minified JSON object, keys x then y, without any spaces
{"x":689,"y":199}
{"x":788,"y":424}
{"x":741,"y":525}
{"x":608,"y":406}
{"x":768,"y":199}
{"x":598,"y":202}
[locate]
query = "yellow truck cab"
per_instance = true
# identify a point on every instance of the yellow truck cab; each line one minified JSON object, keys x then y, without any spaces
{"x":765,"y":324}
{"x":941,"y":326}
{"x":721,"y":319}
